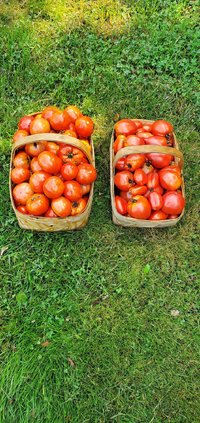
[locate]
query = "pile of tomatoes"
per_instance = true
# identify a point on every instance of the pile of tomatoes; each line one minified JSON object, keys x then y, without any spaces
{"x":148,"y":186}
{"x":52,"y":179}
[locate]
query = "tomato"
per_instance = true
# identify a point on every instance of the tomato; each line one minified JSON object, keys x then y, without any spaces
{"x":49,"y":111}
{"x":121,"y":205}
{"x":34,"y":165}
{"x":141,"y":129}
{"x":120,"y":165}
{"x":53,"y":187}
{"x":86,"y":174}
{"x":138,"y":123}
{"x":144,"y":135}
{"x":139,"y":207}
{"x":170,"y":179}
{"x":85,"y":189}
{"x":124,"y":180}
{"x":61,"y":206}
{"x":18,"y":135}
{"x":157,"y":189}
{"x":152,"y":180}
{"x":126,"y":195}
{"x":125,"y":127}
{"x":173,"y":216}
{"x":134,"y":161}
{"x":71,"y":126}
{"x":173,"y":203}
{"x":50,"y":213}
{"x":119,"y":143}
{"x":155,"y":200}
{"x":173,"y":168}
{"x":84,"y":126}
{"x":37,"y":204}
{"x":71,"y":133}
{"x":60,"y":120}
{"x":39,"y":126}
{"x":70,"y":154}
{"x":161,"y":127}
{"x":37,"y":180}
{"x":21,"y":193}
{"x":159,"y":160}
{"x":21,"y":160}
{"x":49,"y":162}
{"x":25,"y":122}
{"x":73,"y":112}
{"x":69,"y":171}
{"x":140,"y":177}
{"x":133,"y":140}
{"x":52,"y":146}
{"x":147,"y":127}
{"x":35,"y":148}
{"x":147,"y":168}
{"x":72,"y":190}
{"x":22,"y":209}
{"x":156,"y":140}
{"x":138,"y":190}
{"x":19,"y":175}
{"x":158,"y":215}
{"x":78,"y":206}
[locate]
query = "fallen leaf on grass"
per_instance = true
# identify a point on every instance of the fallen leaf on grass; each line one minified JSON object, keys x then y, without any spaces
{"x":175,"y":313}
{"x":2,"y":251}
{"x":45,"y":344}
{"x":71,"y":362}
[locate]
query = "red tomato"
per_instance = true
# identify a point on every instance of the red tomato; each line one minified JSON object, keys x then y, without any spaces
{"x":121,"y":205}
{"x":161,"y":127}
{"x":49,"y":162}
{"x":170,"y":179}
{"x":69,"y":171}
{"x":125,"y":127}
{"x":70,"y":154}
{"x":18,"y":135}
{"x":140,"y":177}
{"x":39,"y":126}
{"x":147,"y":127}
{"x":139,"y":207}
{"x":86,"y":174}
{"x":173,"y":216}
{"x":159,"y":160}
{"x":61,"y":206}
{"x":35,"y":148}
{"x":138,"y":123}
{"x":37,"y":180}
{"x":173,"y":168}
{"x":73,"y":112}
{"x":156,"y":140}
{"x":37,"y":204}
{"x":21,"y":160}
{"x":49,"y":111}
{"x":138,"y":190}
{"x":133,"y":140}
{"x":126,"y":195}
{"x":85,"y":189}
{"x":152,"y":180}
{"x":24,"y":123}
{"x":21,"y":193}
{"x":35,"y":165}
{"x":155,"y":200}
{"x":134,"y":161}
{"x":52,"y":146}
{"x":124,"y":180}
{"x":158,"y":215}
{"x":119,"y":143}
{"x":173,"y":203}
{"x":72,"y":190}
{"x":120,"y":165}
{"x":84,"y":126}
{"x":53,"y":187}
{"x":22,"y":209}
{"x":19,"y":175}
{"x":147,"y":168}
{"x":50,"y":213}
{"x":60,"y":120}
{"x":157,"y":189}
{"x":71,"y":126}
{"x":78,"y":206}
{"x":139,"y":130}
{"x":71,"y":133}
{"x":144,"y":135}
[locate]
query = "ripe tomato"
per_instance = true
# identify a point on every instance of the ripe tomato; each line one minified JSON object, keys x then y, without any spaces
{"x":133,"y":140}
{"x":144,"y":135}
{"x":69,"y":171}
{"x":138,"y":123}
{"x":21,"y":193}
{"x":39,"y":126}
{"x":173,"y":216}
{"x":73,"y":112}
{"x":78,"y":206}
{"x":147,"y":127}
{"x":71,"y":133}
{"x":84,"y":126}
{"x":24,"y":123}
{"x":71,"y":126}
{"x":50,"y":213}
{"x":119,"y":143}
{"x":18,"y":135}
{"x":21,"y":160}
{"x":49,"y":111}
{"x":121,"y":205}
{"x":134,"y":161}
{"x":156,"y":140}
{"x":157,"y":189}
{"x":159,"y":160}
{"x":37,"y":180}
{"x":37,"y":204}
{"x":120,"y":165}
{"x":86,"y":174}
{"x":126,"y":195}
{"x":124,"y":180}
{"x":22,"y":209}
{"x":140,"y":177}
{"x":72,"y":190}
{"x":125,"y":127}
{"x":53,"y":187}
{"x":49,"y":162}
{"x":152,"y":180}
{"x":61,"y":206}
{"x":173,"y":168}
{"x":148,"y":168}
{"x":161,"y":127}
{"x":60,"y":120}
{"x":158,"y":215}
{"x":155,"y":200}
{"x":34,"y":165}
{"x":139,"y":207}
{"x":35,"y":148}
{"x":19,"y":175}
{"x":70,"y":154}
{"x":138,"y":190}
{"x":52,"y":146}
{"x":170,"y":179}
{"x":173,"y":202}
{"x":85,"y":189}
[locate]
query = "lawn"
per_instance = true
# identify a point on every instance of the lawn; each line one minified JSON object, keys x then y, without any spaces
{"x":100,"y":325}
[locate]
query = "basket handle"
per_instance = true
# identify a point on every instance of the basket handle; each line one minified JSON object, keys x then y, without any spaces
{"x":145,"y":149}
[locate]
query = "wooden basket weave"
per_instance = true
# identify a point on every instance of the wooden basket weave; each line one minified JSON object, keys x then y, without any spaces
{"x":118,"y":219}
{"x":54,"y":224}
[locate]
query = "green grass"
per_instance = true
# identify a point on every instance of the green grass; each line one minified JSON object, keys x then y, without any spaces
{"x":90,"y":293}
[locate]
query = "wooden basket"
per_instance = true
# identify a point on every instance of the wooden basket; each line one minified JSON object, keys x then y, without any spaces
{"x":118,"y":219}
{"x":54,"y":224}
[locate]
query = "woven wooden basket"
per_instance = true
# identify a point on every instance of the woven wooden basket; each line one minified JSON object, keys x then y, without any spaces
{"x":118,"y":219}
{"x":46,"y":223}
